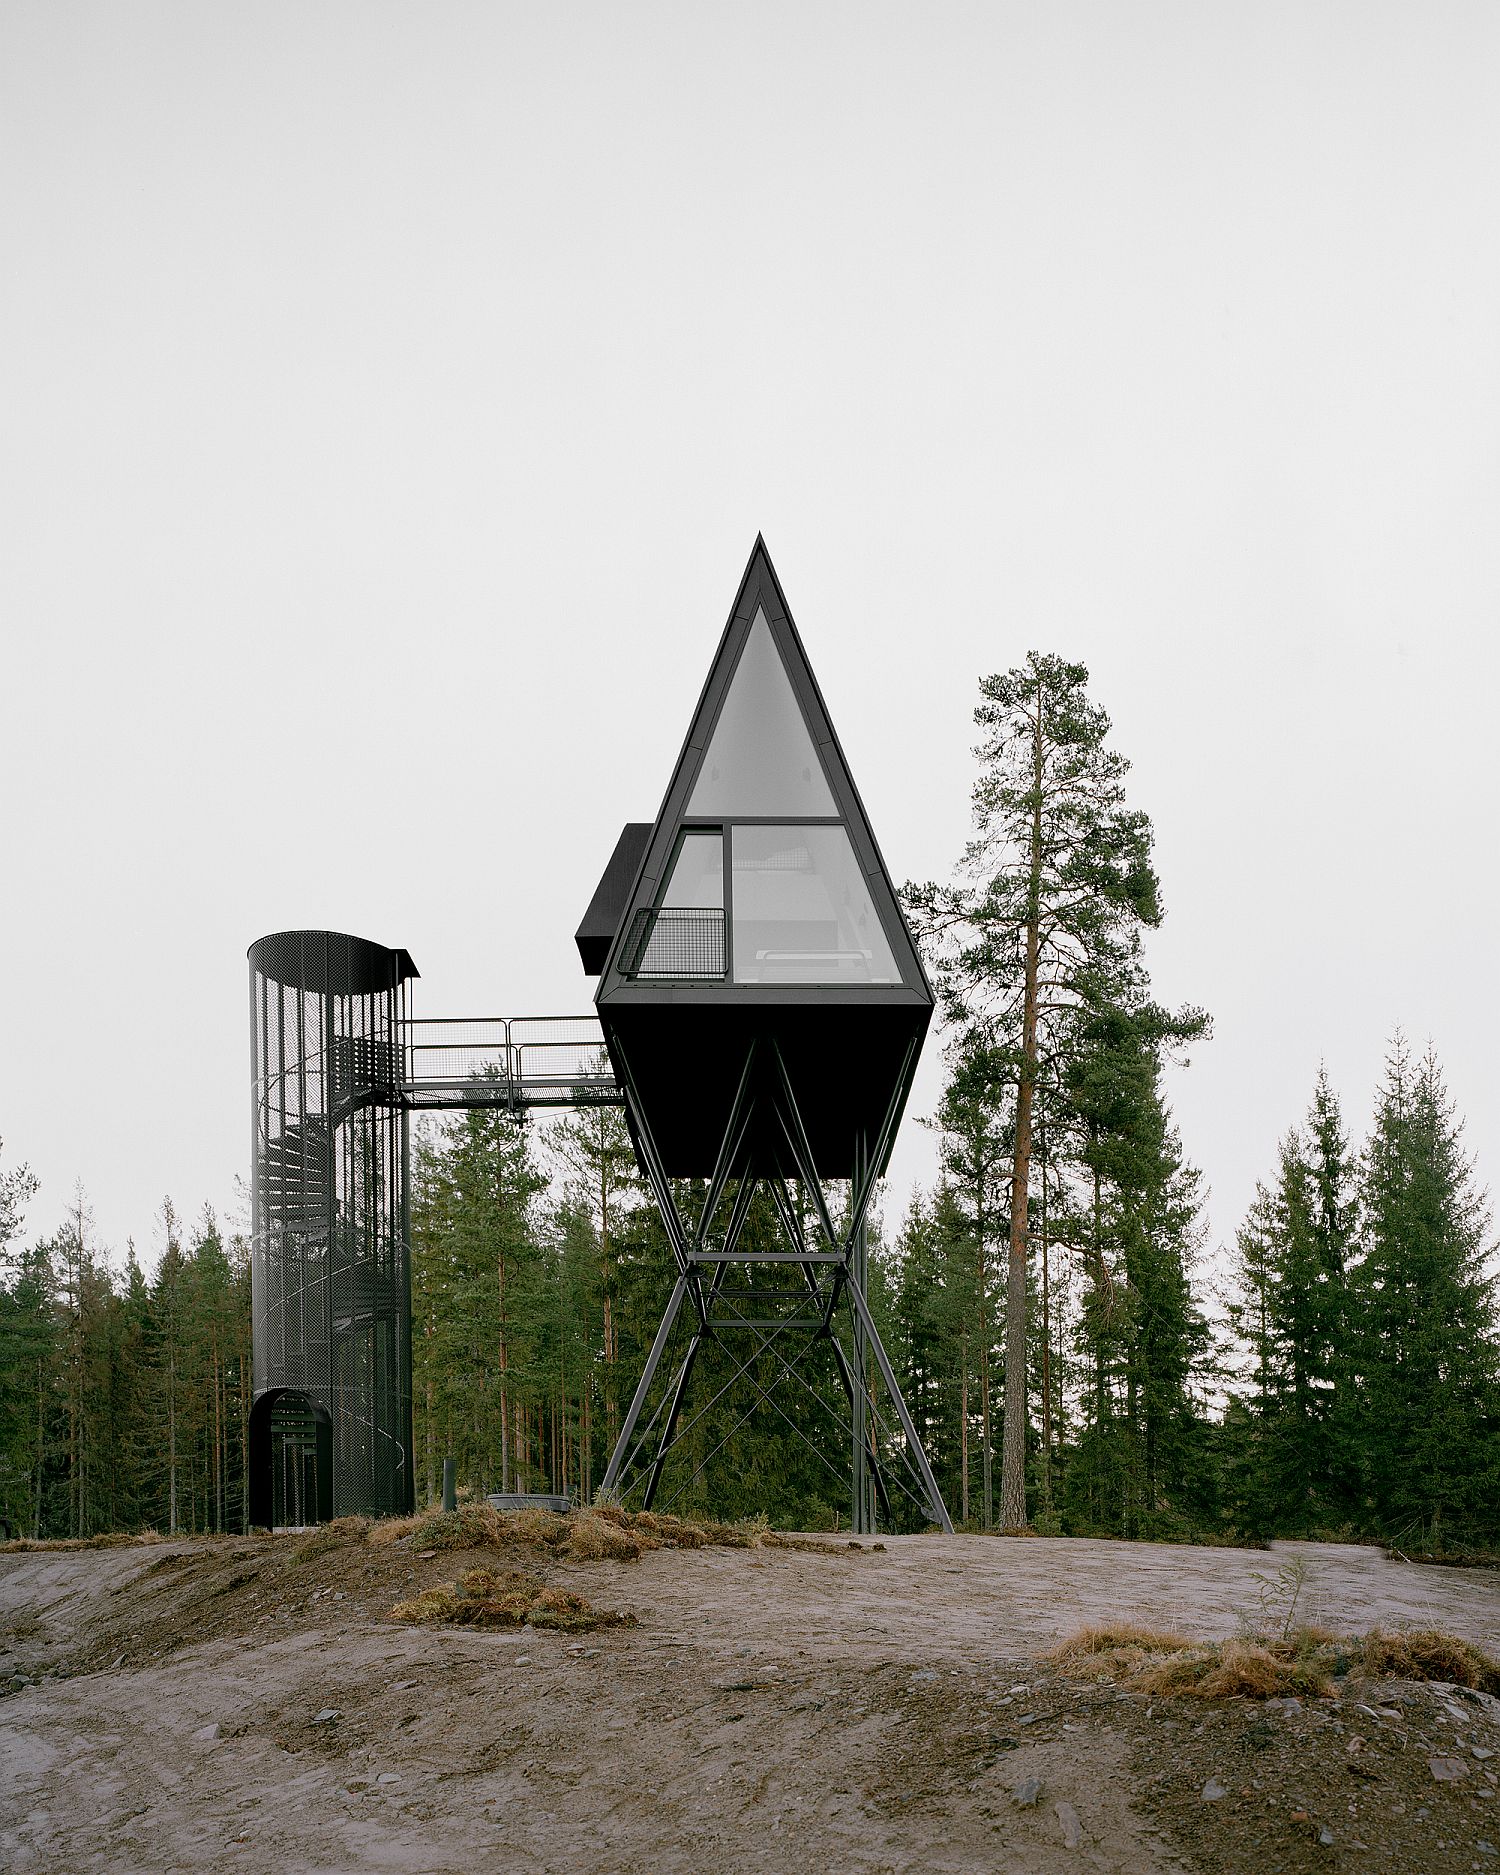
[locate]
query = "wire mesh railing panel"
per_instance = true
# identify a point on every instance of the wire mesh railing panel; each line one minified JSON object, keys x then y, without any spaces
{"x":526,"y":1031}
{"x":563,"y":1073}
{"x":521,"y":1061}
{"x":453,"y":1049}
{"x":681,"y":942}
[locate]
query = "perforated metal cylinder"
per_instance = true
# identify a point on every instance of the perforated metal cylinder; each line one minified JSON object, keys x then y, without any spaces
{"x":330,"y":1259}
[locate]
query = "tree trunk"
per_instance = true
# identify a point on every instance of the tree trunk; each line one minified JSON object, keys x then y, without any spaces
{"x":611,"y":1395}
{"x":986,"y":1336}
{"x":172,"y":1443}
{"x":963,"y":1440}
{"x":504,"y":1392}
{"x":246,"y":1378}
{"x":585,"y":1442}
{"x":41,"y":1451}
{"x":1013,"y":1458}
{"x":1046,"y":1344}
{"x":218,"y":1438}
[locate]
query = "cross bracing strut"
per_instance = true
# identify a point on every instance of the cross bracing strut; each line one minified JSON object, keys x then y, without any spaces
{"x":764,"y":1142}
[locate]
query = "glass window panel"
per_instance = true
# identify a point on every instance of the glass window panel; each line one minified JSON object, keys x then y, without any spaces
{"x":697,"y":876}
{"x":761,"y":758}
{"x":686,"y":935}
{"x":801,"y":909}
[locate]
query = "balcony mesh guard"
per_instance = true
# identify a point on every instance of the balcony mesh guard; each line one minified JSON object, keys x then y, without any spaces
{"x":676,"y":941}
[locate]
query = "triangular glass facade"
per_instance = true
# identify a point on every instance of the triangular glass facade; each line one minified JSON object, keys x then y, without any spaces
{"x":761,"y":758}
{"x":761,"y":870}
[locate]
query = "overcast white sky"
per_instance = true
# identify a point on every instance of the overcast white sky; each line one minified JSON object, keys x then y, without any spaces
{"x":391,"y":396}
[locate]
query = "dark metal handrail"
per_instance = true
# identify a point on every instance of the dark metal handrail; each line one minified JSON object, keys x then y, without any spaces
{"x":506,"y":1061}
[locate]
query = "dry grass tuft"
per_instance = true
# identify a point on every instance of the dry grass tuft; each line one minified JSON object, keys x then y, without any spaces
{"x":1300,"y":1665}
{"x":535,"y":1525}
{"x":1426,"y":1654}
{"x":1239,"y":1669}
{"x":471,"y":1526}
{"x":114,"y":1539}
{"x":596,"y":1537}
{"x":488,"y":1598}
{"x":598,"y":1533}
{"x":393,"y":1529}
{"x":1109,"y":1640}
{"x":331,"y":1536}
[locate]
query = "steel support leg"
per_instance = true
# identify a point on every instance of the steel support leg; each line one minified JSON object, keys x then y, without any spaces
{"x":683,"y":1376}
{"x":653,"y":1361}
{"x":914,"y":1446}
{"x":859,"y":1249}
{"x":846,"y":1378}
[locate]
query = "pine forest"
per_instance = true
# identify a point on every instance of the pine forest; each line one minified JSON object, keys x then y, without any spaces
{"x":1078,"y":1357}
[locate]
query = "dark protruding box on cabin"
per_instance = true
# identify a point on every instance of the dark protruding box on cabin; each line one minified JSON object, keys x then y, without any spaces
{"x":611,"y":897}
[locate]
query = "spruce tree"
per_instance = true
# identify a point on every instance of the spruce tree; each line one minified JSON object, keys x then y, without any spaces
{"x":171,"y":1359}
{"x":1430,"y":1419}
{"x":29,"y":1351}
{"x":17,"y":1189}
{"x":1139,"y":1466}
{"x":475,"y":1242}
{"x":1297,"y":1468}
{"x":976,"y":1158}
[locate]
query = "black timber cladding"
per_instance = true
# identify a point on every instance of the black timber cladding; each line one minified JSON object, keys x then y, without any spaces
{"x":611,"y":898}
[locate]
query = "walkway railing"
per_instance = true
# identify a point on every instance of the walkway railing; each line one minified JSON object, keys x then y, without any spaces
{"x":507,"y":1061}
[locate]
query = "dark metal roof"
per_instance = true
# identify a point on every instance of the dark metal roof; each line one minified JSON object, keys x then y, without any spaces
{"x":611,"y":897}
{"x":331,"y":961}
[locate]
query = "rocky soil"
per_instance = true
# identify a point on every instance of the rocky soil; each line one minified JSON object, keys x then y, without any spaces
{"x":249,"y":1705}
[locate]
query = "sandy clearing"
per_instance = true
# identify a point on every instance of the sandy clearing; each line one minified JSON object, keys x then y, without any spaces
{"x":956,"y":1598}
{"x":868,"y":1710}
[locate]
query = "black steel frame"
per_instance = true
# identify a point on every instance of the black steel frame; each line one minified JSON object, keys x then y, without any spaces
{"x":765,"y":1144}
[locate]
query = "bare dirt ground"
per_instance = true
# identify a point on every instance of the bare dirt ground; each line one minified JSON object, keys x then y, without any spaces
{"x":247,"y":1705}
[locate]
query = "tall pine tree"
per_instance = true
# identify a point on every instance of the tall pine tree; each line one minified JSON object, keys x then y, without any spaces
{"x":1042,"y":927}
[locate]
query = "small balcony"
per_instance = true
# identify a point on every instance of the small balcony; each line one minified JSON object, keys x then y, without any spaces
{"x":679,"y":943}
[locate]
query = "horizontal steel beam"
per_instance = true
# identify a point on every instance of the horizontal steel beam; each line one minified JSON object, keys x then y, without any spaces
{"x":766,"y":1256}
{"x":421,"y":1095}
{"x":812,"y":1323}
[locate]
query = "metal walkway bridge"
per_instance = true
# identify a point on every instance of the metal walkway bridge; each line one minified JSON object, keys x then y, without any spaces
{"x":516,"y":1062}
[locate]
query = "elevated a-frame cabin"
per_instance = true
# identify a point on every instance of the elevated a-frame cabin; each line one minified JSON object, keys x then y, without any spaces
{"x":764,"y":1006}
{"x":760,"y":906}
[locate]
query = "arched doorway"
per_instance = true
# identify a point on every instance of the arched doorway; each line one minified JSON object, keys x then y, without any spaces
{"x":291,"y":1460}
